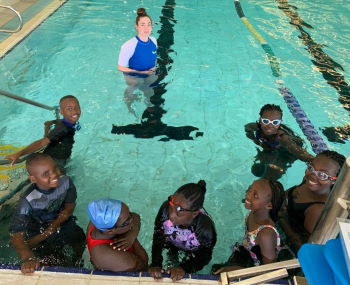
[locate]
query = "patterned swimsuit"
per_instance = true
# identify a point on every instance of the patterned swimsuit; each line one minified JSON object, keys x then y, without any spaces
{"x":249,"y":241}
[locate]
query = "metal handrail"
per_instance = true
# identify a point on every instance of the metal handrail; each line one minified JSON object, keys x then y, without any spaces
{"x":21,"y":159}
{"x":327,"y":226}
{"x":28,"y":101}
{"x":19,"y":17}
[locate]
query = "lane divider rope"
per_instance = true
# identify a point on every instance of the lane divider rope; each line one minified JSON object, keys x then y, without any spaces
{"x":293,"y":105}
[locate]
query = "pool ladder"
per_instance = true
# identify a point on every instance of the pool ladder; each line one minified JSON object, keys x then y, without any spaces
{"x":19,"y":17}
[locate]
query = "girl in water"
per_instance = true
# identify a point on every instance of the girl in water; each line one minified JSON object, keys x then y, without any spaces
{"x":261,"y":241}
{"x":137,"y":60}
{"x":281,"y":147}
{"x":306,"y":201}
{"x":184,"y":228}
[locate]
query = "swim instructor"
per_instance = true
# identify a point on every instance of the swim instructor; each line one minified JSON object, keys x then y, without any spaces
{"x":137,"y":60}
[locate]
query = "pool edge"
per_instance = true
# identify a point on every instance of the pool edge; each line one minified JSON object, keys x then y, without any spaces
{"x":9,"y":43}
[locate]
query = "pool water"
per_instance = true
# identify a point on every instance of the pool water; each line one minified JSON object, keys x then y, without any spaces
{"x":217,"y":79}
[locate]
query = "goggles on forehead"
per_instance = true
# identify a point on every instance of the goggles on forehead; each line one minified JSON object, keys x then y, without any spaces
{"x":177,"y":206}
{"x":266,"y":121}
{"x":320,"y":174}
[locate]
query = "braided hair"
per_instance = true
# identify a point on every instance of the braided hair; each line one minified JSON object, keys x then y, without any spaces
{"x":194,"y":193}
{"x":335,"y":156}
{"x":277,"y":198}
{"x":270,"y":107}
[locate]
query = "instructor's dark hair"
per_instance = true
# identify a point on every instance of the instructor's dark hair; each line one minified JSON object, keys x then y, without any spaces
{"x":141,"y":12}
{"x":194,"y":193}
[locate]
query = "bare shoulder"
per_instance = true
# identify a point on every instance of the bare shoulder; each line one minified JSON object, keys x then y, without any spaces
{"x":314,"y":211}
{"x":267,"y":233}
{"x":252,"y":126}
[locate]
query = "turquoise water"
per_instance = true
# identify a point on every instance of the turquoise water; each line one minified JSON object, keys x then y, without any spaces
{"x":218,"y":81}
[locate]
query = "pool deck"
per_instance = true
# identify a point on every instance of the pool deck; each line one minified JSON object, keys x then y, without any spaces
{"x":29,"y":26}
{"x":9,"y":276}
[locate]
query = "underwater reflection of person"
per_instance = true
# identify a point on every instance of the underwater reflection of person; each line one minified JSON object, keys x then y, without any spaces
{"x":152,"y":126}
{"x":281,"y":147}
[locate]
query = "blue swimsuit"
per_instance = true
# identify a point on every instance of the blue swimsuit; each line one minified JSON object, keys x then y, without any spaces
{"x":138,"y":55}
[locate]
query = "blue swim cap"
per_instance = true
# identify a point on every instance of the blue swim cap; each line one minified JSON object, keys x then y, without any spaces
{"x":104,"y":213}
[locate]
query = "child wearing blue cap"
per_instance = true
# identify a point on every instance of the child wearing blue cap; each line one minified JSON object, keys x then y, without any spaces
{"x":183,"y":226}
{"x":43,"y":226}
{"x":112,"y":237}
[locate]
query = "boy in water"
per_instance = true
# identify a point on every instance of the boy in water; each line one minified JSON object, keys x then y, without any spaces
{"x":60,"y":140}
{"x":113,"y":227}
{"x":43,"y":225}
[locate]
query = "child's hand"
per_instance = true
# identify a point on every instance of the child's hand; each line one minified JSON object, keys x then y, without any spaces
{"x":176,"y":273}
{"x":12,"y":158}
{"x":222,"y":269}
{"x":123,"y":243}
{"x":29,"y":265}
{"x":156,"y":272}
{"x":226,"y":269}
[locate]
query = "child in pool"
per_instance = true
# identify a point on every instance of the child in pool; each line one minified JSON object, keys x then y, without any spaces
{"x":137,"y":60}
{"x":281,"y":147}
{"x":183,"y":226}
{"x":306,"y":201}
{"x":43,"y":223}
{"x":261,"y":241}
{"x":112,"y":237}
{"x":59,"y":141}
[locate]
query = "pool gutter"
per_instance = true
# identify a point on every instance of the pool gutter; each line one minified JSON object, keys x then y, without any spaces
{"x":10,"y":274}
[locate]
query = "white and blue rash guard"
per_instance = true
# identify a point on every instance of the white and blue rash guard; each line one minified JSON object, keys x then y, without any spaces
{"x":138,"y":55}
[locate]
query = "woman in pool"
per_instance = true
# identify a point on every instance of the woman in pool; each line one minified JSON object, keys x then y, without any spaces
{"x":281,"y":147}
{"x":184,"y":228}
{"x":306,"y":201}
{"x":261,"y":241}
{"x":137,"y":60}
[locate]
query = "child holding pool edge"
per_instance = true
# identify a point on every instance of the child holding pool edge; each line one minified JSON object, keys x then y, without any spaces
{"x":261,"y":241}
{"x":43,"y":222}
{"x":183,"y":226}
{"x":112,"y":237}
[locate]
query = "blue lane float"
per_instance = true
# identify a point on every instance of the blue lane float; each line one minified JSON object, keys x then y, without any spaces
{"x":293,"y":105}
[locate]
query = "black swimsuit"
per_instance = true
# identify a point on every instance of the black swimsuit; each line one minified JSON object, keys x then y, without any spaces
{"x":296,"y":211}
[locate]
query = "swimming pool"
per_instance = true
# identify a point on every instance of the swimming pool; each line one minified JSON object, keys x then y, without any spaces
{"x":218,"y":78}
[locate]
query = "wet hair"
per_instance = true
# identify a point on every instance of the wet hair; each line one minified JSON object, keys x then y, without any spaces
{"x":67,"y":97}
{"x":141,"y":12}
{"x":277,"y":198}
{"x":335,"y":156}
{"x":194,"y":193}
{"x":270,"y":107}
{"x":35,"y":158}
